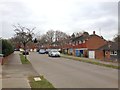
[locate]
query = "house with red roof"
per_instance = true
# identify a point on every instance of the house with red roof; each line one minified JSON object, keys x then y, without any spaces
{"x":110,"y":51}
{"x":86,"y":46}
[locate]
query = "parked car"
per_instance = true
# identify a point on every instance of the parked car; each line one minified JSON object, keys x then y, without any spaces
{"x":37,"y":50}
{"x":25,"y":53}
{"x":16,"y":49}
{"x":47,"y":51}
{"x":54,"y":53}
{"x":42,"y":51}
{"x":21,"y":50}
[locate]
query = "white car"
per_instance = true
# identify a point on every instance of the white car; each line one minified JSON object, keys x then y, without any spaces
{"x":21,"y":50}
{"x":54,"y":53}
{"x":42,"y":51}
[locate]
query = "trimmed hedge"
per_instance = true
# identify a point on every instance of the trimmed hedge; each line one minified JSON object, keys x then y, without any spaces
{"x":7,"y":47}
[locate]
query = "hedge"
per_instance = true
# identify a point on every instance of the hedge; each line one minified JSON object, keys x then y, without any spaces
{"x":7,"y":47}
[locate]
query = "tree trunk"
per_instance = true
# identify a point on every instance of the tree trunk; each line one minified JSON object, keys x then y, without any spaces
{"x":25,"y":51}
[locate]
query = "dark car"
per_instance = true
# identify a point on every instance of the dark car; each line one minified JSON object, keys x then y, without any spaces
{"x":26,"y":53}
{"x":37,"y":50}
{"x":47,"y":50}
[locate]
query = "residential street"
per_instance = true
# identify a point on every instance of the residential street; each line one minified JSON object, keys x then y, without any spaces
{"x":65,"y":73}
{"x":59,"y":44}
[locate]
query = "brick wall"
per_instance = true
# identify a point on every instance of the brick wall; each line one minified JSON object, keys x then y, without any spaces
{"x":99,"y":54}
{"x":107,"y":55}
{"x":94,"y":42}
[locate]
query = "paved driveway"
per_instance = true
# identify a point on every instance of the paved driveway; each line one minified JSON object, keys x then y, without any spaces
{"x":66,"y":73}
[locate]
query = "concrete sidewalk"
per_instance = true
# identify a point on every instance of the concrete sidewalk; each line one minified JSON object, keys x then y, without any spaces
{"x":15,"y":74}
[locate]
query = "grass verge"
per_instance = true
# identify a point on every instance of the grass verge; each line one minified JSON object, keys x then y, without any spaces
{"x":43,"y":83}
{"x":90,"y":61}
{"x":23,"y":60}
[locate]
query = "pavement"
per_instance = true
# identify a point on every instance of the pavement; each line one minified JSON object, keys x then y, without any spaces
{"x":15,"y":74}
{"x":67,"y":73}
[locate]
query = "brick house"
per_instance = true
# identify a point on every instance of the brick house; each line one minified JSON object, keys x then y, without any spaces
{"x":86,"y":46}
{"x":110,"y":51}
{"x":93,"y":43}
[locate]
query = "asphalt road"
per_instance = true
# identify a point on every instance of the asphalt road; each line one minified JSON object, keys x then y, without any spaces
{"x":66,"y":73}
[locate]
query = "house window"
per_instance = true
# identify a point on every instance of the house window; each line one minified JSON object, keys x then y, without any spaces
{"x":84,"y":41}
{"x":79,"y":42}
{"x":113,"y":53}
{"x":75,"y":42}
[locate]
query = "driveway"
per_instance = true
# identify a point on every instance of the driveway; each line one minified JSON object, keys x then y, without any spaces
{"x":67,"y":73}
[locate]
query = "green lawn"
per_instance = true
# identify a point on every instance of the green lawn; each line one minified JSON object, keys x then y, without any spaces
{"x":40,"y":84}
{"x":23,"y":60}
{"x":90,"y":61}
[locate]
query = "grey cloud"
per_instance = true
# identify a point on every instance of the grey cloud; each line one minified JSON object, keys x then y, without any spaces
{"x":75,"y":16}
{"x":95,"y":10}
{"x":108,"y":24}
{"x":14,"y":10}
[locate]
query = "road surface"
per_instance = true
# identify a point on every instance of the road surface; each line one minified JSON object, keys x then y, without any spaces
{"x":67,"y":73}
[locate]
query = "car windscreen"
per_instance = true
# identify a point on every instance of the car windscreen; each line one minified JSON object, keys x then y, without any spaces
{"x":54,"y":51}
{"x":42,"y":50}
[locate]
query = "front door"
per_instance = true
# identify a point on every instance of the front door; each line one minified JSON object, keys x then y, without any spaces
{"x":92,"y":54}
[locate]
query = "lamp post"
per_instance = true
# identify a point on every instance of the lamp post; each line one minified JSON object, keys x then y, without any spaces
{"x":35,"y":43}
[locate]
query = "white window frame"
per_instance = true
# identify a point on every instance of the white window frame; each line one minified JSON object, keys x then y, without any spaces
{"x":79,"y":42}
{"x":113,"y":52}
{"x":84,"y":41}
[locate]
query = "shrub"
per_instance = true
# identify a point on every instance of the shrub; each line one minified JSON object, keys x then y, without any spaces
{"x":7,"y":47}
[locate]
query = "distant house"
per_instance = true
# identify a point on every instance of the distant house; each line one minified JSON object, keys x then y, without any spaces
{"x":86,"y":45}
{"x":110,"y":51}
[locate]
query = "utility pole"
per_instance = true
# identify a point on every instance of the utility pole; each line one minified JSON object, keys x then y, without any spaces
{"x":100,"y":31}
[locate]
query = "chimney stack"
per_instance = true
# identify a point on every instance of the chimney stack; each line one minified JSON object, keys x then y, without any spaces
{"x":93,"y":32}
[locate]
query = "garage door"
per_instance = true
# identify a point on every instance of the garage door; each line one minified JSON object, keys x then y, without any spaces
{"x":91,"y":54}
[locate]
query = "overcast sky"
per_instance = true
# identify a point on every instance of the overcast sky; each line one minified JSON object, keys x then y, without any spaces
{"x":66,"y":15}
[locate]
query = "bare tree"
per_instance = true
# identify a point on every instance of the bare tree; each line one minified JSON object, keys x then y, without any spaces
{"x":23,"y":35}
{"x":59,"y":35}
{"x":50,"y":36}
{"x":42,"y":40}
